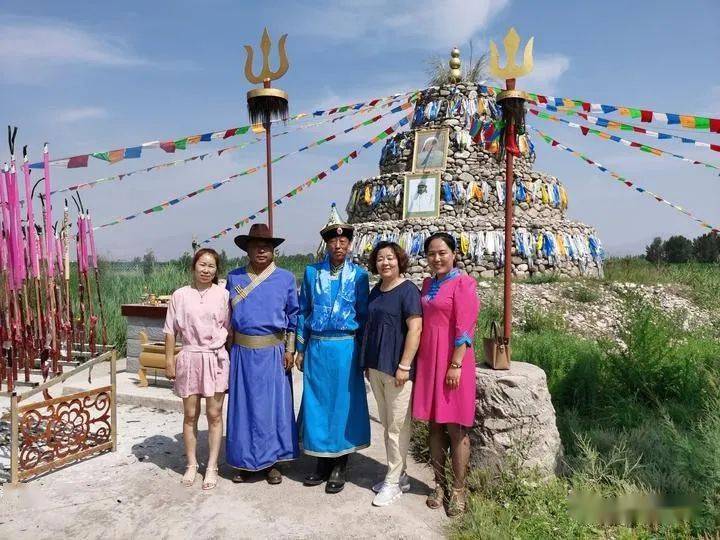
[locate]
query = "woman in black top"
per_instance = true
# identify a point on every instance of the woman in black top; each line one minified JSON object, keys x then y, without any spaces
{"x":391,"y":338}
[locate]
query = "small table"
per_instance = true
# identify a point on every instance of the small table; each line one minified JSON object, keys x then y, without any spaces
{"x":142,"y":318}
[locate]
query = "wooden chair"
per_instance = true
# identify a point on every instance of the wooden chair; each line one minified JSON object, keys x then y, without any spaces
{"x":152,"y":356}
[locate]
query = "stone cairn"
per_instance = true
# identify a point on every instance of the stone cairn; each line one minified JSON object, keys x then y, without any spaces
{"x":480,"y":217}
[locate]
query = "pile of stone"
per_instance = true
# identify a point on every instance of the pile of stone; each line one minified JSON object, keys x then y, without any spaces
{"x":381,"y":217}
{"x":599,"y":310}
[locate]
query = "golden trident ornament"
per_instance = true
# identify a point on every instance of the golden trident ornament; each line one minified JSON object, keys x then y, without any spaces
{"x":266,"y":74}
{"x":266,"y":104}
{"x":511,"y":69}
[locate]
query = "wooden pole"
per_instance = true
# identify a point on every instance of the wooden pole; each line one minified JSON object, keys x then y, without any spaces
{"x":6,"y":345}
{"x":268,"y":161}
{"x":14,"y":440}
{"x":113,"y":411}
{"x":27,"y":330}
{"x":507,"y":281}
{"x":17,"y":339}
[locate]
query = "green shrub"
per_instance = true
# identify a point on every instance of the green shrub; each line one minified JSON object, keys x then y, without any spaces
{"x":490,"y":312}
{"x":573,"y":366}
{"x":662,"y":366}
{"x":538,"y":279}
{"x":582,"y":293}
{"x":518,"y":504}
{"x":538,"y":320}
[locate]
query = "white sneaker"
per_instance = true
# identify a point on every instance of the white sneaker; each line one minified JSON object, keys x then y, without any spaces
{"x":388,"y":495}
{"x":404,"y":484}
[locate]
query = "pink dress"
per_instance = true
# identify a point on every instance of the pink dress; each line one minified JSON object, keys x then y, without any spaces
{"x":202,"y":321}
{"x":450,"y":310}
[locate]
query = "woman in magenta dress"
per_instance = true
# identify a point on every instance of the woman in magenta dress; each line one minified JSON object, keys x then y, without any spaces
{"x":444,"y":392}
{"x":200,"y":315}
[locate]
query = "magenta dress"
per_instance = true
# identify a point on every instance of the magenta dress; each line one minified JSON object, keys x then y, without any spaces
{"x":201,"y":321}
{"x":450,"y":309}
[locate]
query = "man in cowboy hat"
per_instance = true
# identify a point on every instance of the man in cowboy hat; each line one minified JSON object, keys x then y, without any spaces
{"x":261,"y":429}
{"x":333,"y":310}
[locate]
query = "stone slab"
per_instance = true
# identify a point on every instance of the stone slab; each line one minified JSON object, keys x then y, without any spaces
{"x":515,"y":421}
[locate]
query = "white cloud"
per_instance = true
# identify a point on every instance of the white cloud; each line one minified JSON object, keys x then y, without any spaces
{"x":419,"y":23}
{"x":28,"y":47}
{"x":544,"y":77}
{"x":80,"y":113}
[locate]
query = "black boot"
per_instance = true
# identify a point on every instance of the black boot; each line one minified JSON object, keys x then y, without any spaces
{"x":336,"y":481}
{"x":322,"y":471}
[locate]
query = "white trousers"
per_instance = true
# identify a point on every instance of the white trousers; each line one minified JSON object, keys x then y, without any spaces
{"x":396,"y":417}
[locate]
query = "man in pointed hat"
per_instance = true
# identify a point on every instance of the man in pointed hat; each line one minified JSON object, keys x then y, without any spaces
{"x":261,"y":428}
{"x":333,"y":310}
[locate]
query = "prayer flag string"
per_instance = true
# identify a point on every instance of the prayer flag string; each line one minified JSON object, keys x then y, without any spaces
{"x":315,"y":179}
{"x":170,"y":146}
{"x":612,"y":124}
{"x":687,"y":121}
{"x":218,"y":184}
{"x":608,"y":137}
{"x":556,"y":144}
{"x":221,"y":152}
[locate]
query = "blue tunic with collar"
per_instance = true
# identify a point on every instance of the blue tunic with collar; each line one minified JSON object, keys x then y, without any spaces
{"x":334,"y":416}
{"x":261,"y":428}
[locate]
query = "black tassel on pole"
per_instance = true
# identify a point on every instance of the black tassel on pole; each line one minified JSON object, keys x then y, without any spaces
{"x":513,"y":112}
{"x":266,"y":105}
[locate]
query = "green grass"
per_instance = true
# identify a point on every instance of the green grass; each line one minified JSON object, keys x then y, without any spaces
{"x":539,"y":279}
{"x":702,"y":279}
{"x":582,"y":292}
{"x":538,"y":320}
{"x":645,"y":419}
{"x":519,"y":505}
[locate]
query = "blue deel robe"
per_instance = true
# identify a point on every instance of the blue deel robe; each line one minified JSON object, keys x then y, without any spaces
{"x":334,"y":417}
{"x":261,"y":427}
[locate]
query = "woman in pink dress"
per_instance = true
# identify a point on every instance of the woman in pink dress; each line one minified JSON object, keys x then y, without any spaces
{"x":444,"y":392}
{"x":199,"y":315}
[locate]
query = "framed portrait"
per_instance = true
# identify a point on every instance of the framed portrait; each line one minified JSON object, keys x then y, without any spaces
{"x":421,"y":195}
{"x":430,"y":150}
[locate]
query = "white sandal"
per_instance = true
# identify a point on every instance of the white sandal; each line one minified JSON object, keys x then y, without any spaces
{"x":186,"y":480}
{"x":208,"y":485}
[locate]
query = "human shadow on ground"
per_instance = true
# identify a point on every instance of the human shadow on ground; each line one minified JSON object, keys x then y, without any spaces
{"x":168,"y":453}
{"x":363,"y":471}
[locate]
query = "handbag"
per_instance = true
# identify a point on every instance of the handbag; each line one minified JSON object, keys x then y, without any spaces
{"x":497,"y":350}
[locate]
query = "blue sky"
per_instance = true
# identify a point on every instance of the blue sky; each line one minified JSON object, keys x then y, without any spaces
{"x":89,"y":79}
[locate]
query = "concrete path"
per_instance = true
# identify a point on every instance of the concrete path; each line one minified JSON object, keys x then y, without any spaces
{"x":136,"y":492}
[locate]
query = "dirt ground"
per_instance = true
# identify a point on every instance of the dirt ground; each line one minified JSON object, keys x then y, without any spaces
{"x":136,"y":493}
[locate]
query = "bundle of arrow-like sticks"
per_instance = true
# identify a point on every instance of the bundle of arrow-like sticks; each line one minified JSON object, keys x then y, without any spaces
{"x":37,"y":325}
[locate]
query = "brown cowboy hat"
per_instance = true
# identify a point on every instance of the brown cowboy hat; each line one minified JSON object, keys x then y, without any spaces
{"x":259,"y":231}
